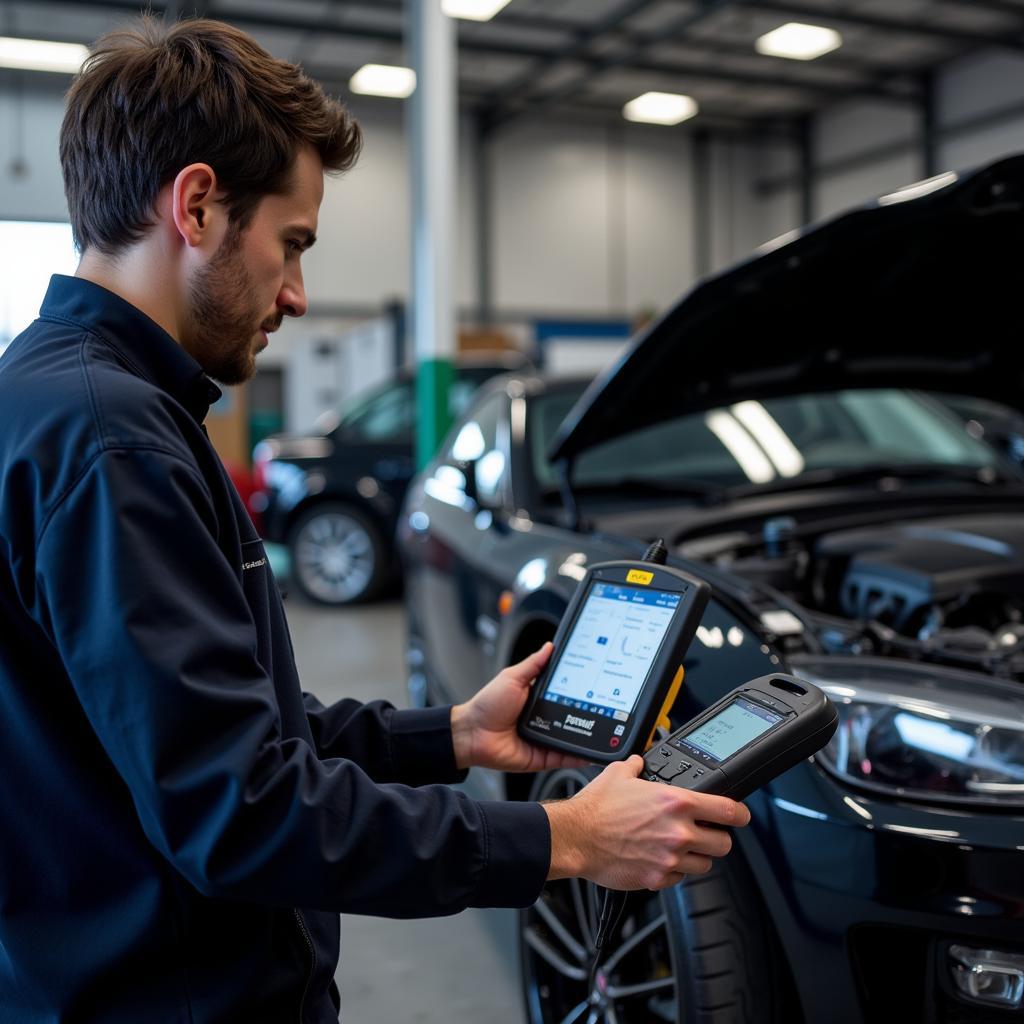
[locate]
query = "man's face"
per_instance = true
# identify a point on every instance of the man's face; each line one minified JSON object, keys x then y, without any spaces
{"x":254,"y":280}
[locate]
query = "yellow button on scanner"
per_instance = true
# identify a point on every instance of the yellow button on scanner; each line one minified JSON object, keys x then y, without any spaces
{"x":639,"y":576}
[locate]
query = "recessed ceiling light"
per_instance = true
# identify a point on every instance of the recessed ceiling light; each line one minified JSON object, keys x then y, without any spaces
{"x":40,"y":55}
{"x":799,"y":42}
{"x":472,"y":10}
{"x":383,"y":80}
{"x":660,"y":108}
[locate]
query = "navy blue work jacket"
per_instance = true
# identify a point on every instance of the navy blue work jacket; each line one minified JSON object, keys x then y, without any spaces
{"x":179,"y":824}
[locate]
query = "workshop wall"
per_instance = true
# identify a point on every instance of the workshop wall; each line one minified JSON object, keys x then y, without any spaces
{"x":585,"y":218}
{"x":981,"y":100}
{"x":864,"y":149}
{"x":31,"y":108}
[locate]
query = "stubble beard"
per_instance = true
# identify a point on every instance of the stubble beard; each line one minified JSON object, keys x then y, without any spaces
{"x":224,"y":322}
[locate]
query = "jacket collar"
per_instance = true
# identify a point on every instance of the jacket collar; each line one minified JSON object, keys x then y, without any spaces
{"x":137,"y":339}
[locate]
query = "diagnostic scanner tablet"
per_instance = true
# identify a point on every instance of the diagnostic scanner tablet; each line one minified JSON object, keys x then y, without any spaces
{"x":617,"y":663}
{"x":750,"y":736}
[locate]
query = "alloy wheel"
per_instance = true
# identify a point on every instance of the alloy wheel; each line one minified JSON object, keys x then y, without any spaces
{"x":334,"y":557}
{"x":636,"y":979}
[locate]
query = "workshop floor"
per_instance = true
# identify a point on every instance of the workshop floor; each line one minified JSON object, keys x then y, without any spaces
{"x":457,"y":969}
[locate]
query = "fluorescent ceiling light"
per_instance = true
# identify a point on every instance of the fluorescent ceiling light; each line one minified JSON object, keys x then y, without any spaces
{"x":40,"y":55}
{"x":799,"y":42}
{"x":660,"y":108}
{"x":472,"y":10}
{"x":383,"y":80}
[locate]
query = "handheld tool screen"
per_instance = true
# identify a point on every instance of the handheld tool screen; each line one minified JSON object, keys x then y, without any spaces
{"x":617,"y":663}
{"x":744,"y":740}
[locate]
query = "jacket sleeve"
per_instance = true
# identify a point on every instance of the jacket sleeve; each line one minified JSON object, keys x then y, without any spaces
{"x":411,"y":745}
{"x":151,"y":622}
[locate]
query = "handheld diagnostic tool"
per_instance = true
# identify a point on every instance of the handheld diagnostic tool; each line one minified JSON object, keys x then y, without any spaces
{"x":617,"y":663}
{"x":744,"y":740}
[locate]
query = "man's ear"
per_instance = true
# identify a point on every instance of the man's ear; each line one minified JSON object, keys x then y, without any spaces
{"x":193,"y":204}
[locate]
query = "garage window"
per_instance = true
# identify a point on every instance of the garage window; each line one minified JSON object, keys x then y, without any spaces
{"x":30,"y":252}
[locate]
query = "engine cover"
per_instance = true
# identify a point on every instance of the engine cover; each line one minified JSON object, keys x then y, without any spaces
{"x":900,"y":574}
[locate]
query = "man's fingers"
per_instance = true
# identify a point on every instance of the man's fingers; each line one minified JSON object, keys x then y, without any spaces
{"x":633,"y":766}
{"x":712,"y":842}
{"x":717,"y":810}
{"x":528,"y":669}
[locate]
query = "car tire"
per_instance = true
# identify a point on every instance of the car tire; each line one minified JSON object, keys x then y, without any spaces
{"x":698,"y":953}
{"x":338,"y":556}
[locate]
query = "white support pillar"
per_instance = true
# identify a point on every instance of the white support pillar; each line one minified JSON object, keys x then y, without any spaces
{"x":434,"y":108}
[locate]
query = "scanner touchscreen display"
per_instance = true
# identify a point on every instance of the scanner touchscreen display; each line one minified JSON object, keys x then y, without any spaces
{"x":609,"y":653}
{"x":732,"y":728}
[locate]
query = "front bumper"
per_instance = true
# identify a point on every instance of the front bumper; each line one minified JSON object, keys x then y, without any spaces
{"x":867,"y":895}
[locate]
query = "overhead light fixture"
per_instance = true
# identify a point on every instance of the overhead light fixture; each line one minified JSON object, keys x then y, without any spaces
{"x":799,"y":42}
{"x":383,"y":80}
{"x":660,"y":108}
{"x":472,"y":10}
{"x":41,"y":55}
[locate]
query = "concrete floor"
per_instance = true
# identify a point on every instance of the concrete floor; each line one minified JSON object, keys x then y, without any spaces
{"x":440,"y":971}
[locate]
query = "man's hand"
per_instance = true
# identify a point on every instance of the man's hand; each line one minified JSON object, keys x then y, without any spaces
{"x":484,"y":728}
{"x":623,"y":832}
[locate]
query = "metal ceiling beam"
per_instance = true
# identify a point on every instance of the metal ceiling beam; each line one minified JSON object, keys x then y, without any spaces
{"x":578,"y":50}
{"x":291,"y":23}
{"x":830,"y":89}
{"x":820,"y":15}
{"x":639,"y":43}
{"x":633,"y":37}
{"x":506,"y":111}
{"x":995,"y":6}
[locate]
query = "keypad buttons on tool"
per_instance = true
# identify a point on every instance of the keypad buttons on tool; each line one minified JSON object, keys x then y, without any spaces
{"x":673,"y":768}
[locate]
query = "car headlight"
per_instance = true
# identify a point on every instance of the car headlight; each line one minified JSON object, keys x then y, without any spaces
{"x":923,"y":732}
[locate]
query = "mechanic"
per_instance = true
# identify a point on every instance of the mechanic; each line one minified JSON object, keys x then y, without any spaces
{"x":180,"y":825}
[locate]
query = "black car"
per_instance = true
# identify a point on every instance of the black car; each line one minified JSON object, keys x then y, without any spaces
{"x":788,"y":429}
{"x":333,"y":496}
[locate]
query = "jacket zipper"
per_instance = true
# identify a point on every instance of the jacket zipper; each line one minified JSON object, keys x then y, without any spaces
{"x":312,"y":967}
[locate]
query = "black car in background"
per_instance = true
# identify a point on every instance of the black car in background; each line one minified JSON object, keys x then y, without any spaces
{"x":333,"y":496}
{"x":799,"y":430}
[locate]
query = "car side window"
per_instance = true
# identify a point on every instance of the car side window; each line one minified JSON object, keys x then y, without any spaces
{"x":482,"y":439}
{"x":387,"y":417}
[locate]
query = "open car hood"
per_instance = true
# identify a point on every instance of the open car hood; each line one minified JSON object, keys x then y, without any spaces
{"x":923,"y":289}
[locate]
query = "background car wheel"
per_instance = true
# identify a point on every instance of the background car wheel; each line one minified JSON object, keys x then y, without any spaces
{"x":698,"y":953}
{"x":337,"y":555}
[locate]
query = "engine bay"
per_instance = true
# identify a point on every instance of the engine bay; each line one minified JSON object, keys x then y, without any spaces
{"x":949,"y":588}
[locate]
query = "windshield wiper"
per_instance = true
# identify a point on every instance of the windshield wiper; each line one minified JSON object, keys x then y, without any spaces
{"x":983,"y":475}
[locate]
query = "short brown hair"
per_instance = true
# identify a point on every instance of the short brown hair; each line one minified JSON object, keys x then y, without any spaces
{"x":152,"y":99}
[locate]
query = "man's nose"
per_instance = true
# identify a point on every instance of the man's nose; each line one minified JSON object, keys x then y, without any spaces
{"x":292,"y":299}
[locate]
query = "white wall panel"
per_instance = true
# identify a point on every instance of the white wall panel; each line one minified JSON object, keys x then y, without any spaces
{"x":658,"y":255}
{"x":550,"y":218}
{"x":838,"y":192}
{"x":852,"y":128}
{"x":363,"y":240}
{"x":980,"y":83}
{"x":970,"y":149}
{"x":30,"y":130}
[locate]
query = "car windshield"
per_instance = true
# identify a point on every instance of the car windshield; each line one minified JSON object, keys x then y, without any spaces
{"x":775,"y":443}
{"x":388,"y":412}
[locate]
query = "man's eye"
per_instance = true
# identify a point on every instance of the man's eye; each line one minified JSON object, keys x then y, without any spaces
{"x":294,"y":246}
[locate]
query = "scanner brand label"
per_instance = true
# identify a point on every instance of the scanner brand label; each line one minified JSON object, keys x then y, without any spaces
{"x":580,"y":724}
{"x":639,"y":576}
